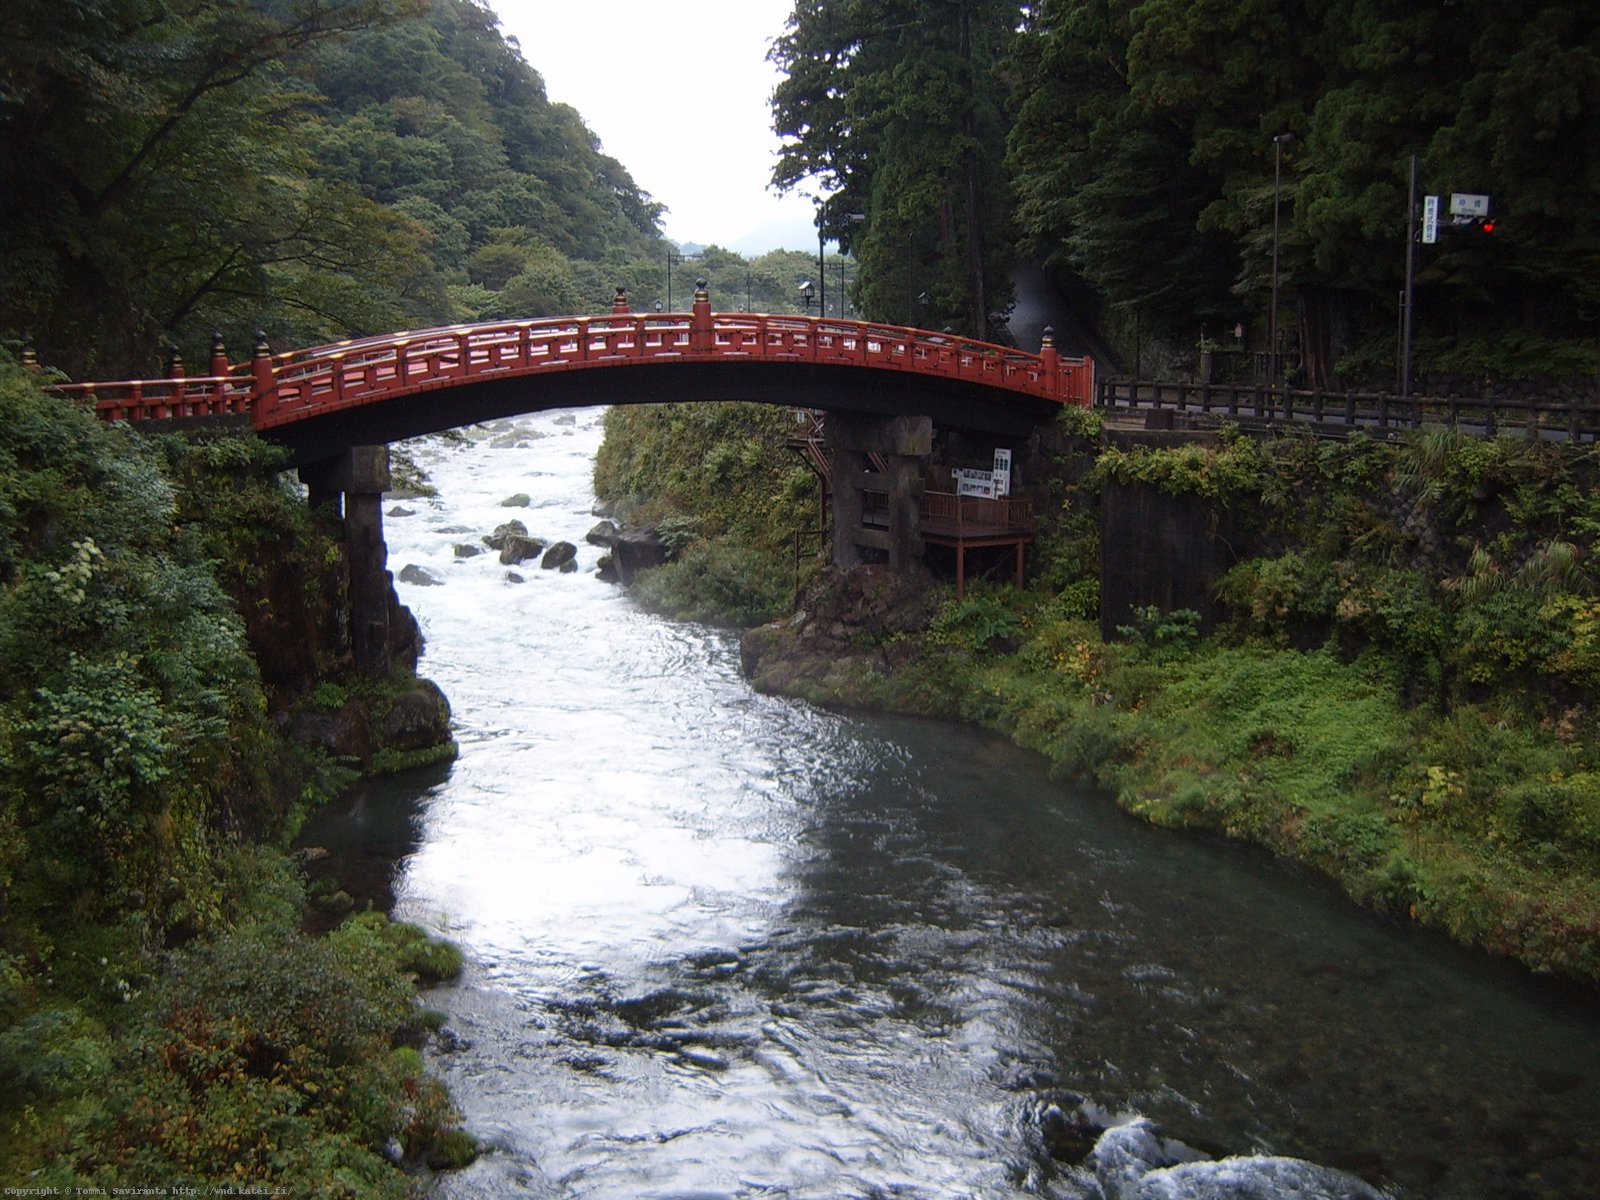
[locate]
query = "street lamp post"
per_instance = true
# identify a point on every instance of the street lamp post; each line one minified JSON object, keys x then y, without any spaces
{"x":672,"y":257}
{"x":822,"y":274}
{"x":1272,"y":314}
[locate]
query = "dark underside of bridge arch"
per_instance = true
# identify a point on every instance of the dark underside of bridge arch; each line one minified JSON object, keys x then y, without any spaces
{"x":951,"y":403}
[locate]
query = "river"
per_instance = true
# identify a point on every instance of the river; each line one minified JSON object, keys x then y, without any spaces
{"x":727,"y":945}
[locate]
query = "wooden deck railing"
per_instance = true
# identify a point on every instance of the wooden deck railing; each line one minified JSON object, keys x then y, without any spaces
{"x":945,"y":514}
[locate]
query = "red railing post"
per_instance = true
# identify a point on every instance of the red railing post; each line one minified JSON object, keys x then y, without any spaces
{"x":218,"y":371}
{"x":219,"y":354}
{"x":702,"y":336}
{"x":1050,"y":358}
{"x":263,"y":382}
{"x":175,"y":372}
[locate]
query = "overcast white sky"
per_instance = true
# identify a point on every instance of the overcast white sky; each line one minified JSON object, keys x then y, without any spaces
{"x":677,"y":91}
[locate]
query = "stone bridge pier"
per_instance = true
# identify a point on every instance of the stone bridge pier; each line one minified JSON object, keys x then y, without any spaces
{"x":876,"y":477}
{"x":353,"y":485}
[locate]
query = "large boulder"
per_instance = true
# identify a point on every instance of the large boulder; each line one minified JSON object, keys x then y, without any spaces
{"x":1132,"y":1161}
{"x":562,"y":556}
{"x":635,"y":550}
{"x":519,"y":549}
{"x":848,"y":629}
{"x":497,"y":539}
{"x":418,"y":719}
{"x":419,"y":576}
{"x":604,"y":534}
{"x":344,"y":734}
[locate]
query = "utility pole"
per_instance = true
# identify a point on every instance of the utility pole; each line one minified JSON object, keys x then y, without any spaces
{"x":1411,"y":266}
{"x":1272,"y":313}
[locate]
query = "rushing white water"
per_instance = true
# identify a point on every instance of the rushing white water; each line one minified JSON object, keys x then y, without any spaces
{"x":724,"y":945}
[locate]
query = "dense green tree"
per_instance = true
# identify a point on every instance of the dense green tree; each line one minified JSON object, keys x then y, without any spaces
{"x":318,"y":169}
{"x":1102,"y":187}
{"x":894,"y":109}
{"x":152,"y":179}
{"x":1145,"y":160}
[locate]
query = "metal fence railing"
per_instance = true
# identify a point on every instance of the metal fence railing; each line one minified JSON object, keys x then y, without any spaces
{"x":1374,"y":412}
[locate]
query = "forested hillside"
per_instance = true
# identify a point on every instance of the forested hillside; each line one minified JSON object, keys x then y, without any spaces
{"x":1143,"y":149}
{"x":318,"y":170}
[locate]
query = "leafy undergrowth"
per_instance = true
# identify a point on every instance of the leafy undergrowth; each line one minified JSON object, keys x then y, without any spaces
{"x":253,"y":1060}
{"x":163,"y":1019}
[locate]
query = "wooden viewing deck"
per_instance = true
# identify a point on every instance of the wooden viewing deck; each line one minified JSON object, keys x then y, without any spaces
{"x":965,"y":523}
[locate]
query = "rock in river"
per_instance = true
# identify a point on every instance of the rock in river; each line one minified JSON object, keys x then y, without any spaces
{"x":1132,"y":1161}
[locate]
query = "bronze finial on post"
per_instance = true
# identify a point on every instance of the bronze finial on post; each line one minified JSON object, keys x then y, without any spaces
{"x":30,"y":356}
{"x":619,"y":303}
{"x":218,"y":371}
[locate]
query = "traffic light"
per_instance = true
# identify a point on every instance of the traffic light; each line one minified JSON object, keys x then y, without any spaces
{"x":1469,"y":213}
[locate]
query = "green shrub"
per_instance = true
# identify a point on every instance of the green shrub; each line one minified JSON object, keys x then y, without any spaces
{"x":53,"y":1053}
{"x":984,"y":620}
{"x":409,"y":947}
{"x":720,"y":582}
{"x":1162,"y":633}
{"x":1561,"y":815}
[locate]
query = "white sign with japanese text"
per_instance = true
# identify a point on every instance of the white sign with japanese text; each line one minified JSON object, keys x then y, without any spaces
{"x":1002,"y":472}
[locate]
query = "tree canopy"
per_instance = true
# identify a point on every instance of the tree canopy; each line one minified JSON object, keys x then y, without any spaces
{"x":894,"y":109}
{"x":1145,"y":136}
{"x":319,"y":169}
{"x":1152,"y":147}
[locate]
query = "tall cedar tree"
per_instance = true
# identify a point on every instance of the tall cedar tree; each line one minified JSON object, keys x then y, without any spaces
{"x":895,"y":110}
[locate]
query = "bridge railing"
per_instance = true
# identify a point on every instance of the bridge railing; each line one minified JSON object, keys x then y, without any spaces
{"x":946,"y":514}
{"x":331,"y":377}
{"x":165,"y":399}
{"x":1376,"y":412}
{"x":279,"y":389}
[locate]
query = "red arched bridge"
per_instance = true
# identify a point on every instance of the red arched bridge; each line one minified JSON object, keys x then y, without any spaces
{"x":321,"y":401}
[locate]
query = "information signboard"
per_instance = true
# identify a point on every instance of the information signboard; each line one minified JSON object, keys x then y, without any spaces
{"x":1002,"y":472}
{"x":975,"y":483}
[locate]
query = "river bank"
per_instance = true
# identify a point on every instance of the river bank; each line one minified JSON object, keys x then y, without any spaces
{"x":1312,"y":757}
{"x":176,"y":693}
{"x":1388,"y":675}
